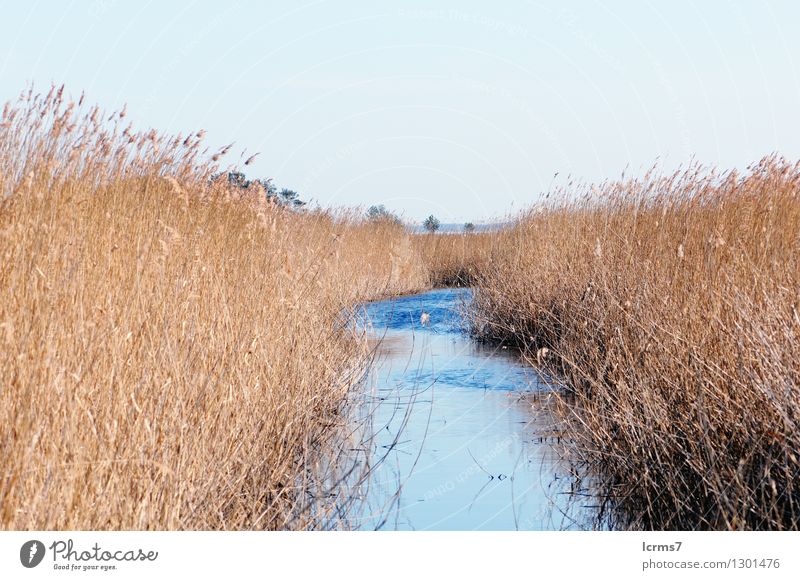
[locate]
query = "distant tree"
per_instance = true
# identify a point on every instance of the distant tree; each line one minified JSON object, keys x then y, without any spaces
{"x":469,"y":227}
{"x":285,"y":197}
{"x":270,"y":189}
{"x":377,"y":213}
{"x":290,"y":197}
{"x":431,"y":223}
{"x":237,"y":179}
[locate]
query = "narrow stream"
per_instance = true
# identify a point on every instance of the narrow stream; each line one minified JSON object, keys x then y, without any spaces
{"x":457,"y":443}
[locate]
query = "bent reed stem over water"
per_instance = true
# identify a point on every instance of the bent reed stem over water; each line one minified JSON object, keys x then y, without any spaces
{"x":173,"y":354}
{"x":668,"y":307}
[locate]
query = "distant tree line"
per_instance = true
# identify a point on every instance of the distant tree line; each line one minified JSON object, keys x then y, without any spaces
{"x":286,"y":197}
{"x":432,"y":225}
{"x":378,"y":213}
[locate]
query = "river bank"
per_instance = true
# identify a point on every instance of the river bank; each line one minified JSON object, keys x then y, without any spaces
{"x":667,"y":307}
{"x":170,"y":352}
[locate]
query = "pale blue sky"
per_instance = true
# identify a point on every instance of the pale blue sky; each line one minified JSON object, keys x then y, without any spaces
{"x":464,"y":109}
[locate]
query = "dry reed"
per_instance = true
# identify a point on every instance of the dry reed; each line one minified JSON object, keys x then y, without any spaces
{"x":668,"y":307}
{"x":455,"y":259}
{"x":173,"y":354}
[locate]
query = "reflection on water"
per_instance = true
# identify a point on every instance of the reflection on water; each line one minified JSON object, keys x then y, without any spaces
{"x":456,"y":444}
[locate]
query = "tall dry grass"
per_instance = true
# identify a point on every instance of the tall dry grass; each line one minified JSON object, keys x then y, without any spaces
{"x":455,"y":259}
{"x":174,"y":355}
{"x":668,"y":306}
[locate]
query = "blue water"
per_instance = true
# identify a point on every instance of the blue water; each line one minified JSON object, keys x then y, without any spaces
{"x":457,"y":442}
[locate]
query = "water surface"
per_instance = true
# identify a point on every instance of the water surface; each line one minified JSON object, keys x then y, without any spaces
{"x":457,"y":443}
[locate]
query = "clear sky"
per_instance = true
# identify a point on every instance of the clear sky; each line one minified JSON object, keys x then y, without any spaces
{"x":465,"y":109}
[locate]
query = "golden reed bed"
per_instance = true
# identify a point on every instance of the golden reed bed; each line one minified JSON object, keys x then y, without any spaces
{"x":172,"y":352}
{"x":668,"y":307}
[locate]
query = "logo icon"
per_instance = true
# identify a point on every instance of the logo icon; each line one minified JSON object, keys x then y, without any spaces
{"x":31,"y":553}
